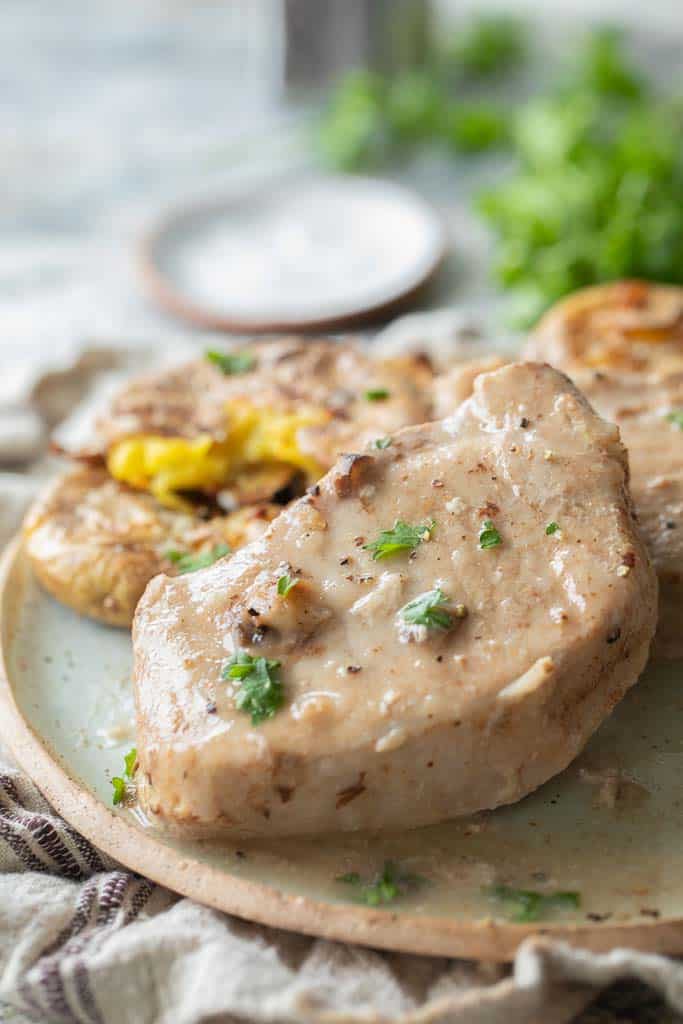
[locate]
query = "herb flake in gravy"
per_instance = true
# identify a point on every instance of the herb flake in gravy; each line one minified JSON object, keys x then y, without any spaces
{"x":260,"y":694}
{"x":390,"y":884}
{"x":524,"y":905}
{"x":401,"y":537}
{"x":231,"y":363}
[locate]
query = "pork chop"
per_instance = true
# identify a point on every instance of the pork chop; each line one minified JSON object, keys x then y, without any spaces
{"x":438,"y":628}
{"x":648,"y":409}
{"x":94,"y":544}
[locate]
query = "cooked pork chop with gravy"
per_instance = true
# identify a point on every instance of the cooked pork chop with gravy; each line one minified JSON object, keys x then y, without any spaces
{"x":437,"y":628}
{"x":95,"y":544}
{"x":624,"y":326}
{"x":622,"y":343}
{"x":648,"y":410}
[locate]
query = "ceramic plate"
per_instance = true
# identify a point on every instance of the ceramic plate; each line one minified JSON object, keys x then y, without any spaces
{"x":609,"y":828}
{"x":301,"y":253}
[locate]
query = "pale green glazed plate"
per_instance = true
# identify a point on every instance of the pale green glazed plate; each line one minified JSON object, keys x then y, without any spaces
{"x":609,"y":828}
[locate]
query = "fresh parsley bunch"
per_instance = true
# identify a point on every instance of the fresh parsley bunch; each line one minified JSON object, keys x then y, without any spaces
{"x":598,"y":194}
{"x":371,"y":118}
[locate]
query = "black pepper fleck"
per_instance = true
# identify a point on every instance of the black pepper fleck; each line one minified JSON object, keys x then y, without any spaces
{"x":211,"y":707}
{"x":614,"y":635}
{"x":353,"y":669}
{"x":524,"y":423}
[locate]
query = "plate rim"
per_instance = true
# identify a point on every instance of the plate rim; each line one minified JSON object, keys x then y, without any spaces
{"x":163,"y":290}
{"x":138,"y":850}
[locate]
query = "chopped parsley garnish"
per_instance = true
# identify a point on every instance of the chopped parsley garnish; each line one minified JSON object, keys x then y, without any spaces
{"x":260,"y":694}
{"x":129,"y":762}
{"x":119,"y":783}
{"x":386,"y":887}
{"x":489,"y":536}
{"x":676,"y":417}
{"x":377,"y":395}
{"x":382,"y":443}
{"x":285,"y":584}
{"x":185,"y":561}
{"x":428,"y":610}
{"x":526,"y":905}
{"x":402,"y":537}
{"x":552,"y":528}
{"x":232,"y":363}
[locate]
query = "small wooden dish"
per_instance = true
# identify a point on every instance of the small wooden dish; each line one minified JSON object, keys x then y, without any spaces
{"x":307,"y":253}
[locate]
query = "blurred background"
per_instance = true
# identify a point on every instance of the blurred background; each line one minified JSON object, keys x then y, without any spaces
{"x":547,"y":137}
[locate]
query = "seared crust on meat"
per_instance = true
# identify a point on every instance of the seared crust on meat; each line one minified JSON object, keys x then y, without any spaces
{"x":95,"y":544}
{"x":623,"y":326}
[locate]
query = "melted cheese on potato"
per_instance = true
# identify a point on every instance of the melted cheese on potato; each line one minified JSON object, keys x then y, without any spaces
{"x":256,"y":437}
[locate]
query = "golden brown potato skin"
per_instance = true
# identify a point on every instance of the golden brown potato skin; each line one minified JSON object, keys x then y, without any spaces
{"x":95,"y":544}
{"x":629,"y":326}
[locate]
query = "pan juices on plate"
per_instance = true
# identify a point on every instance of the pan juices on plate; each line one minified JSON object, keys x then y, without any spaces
{"x":436,"y":628}
{"x":622,"y":344}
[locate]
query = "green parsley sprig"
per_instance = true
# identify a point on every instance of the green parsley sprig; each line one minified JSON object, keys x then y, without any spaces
{"x":489,"y":536}
{"x":261,"y":693}
{"x":232,"y":363}
{"x":524,"y":905}
{"x":377,"y":394}
{"x":386,"y":887}
{"x":676,"y":417}
{"x":382,"y":443}
{"x":400,"y":538}
{"x":185,"y":561}
{"x":552,"y":528}
{"x":428,"y":610}
{"x":285,"y":584}
{"x":119,"y":782}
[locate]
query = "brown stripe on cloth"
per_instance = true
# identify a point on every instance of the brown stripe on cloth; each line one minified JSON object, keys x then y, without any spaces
{"x":55,"y":984}
{"x":42,"y":841}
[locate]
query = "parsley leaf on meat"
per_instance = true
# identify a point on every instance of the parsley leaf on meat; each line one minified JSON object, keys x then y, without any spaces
{"x":285,"y":584}
{"x":232,"y":363}
{"x":185,"y":561}
{"x":489,"y":536}
{"x":402,"y":537}
{"x":260,"y":693}
{"x":428,"y":610}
